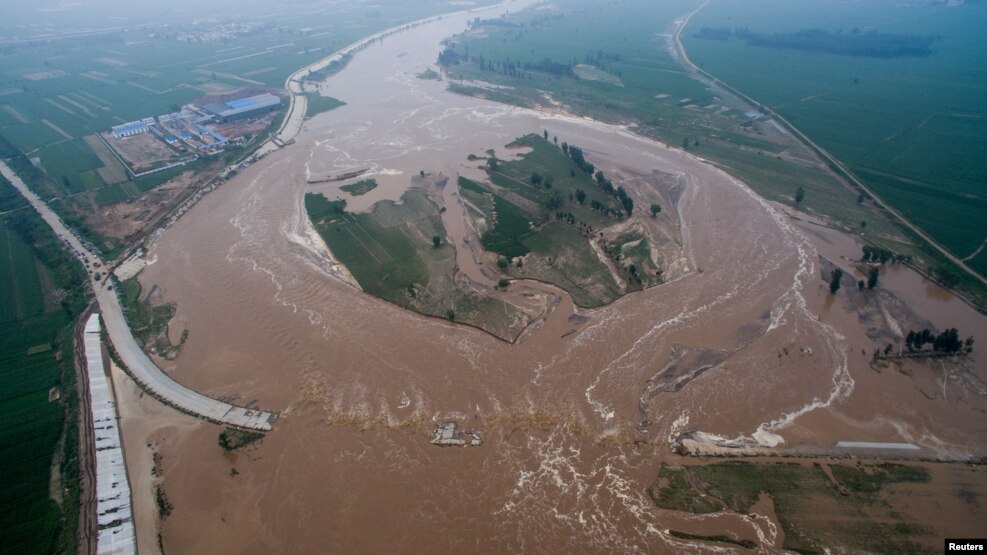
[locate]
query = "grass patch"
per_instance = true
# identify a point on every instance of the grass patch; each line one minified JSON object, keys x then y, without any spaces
{"x":317,"y":104}
{"x":391,"y":253}
{"x":514,"y":221}
{"x":361,"y":187}
{"x":675,"y":493}
{"x":148,"y":321}
{"x":232,"y":439}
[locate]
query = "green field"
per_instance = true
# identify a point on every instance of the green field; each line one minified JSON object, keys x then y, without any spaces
{"x":41,"y":293}
{"x":913,"y":128}
{"x":530,"y":211}
{"x":391,"y":253}
{"x":361,"y":187}
{"x":813,"y":513}
{"x":317,"y":104}
{"x":612,"y":63}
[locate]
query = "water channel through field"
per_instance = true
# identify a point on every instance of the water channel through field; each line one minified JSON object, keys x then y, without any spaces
{"x":576,"y":417}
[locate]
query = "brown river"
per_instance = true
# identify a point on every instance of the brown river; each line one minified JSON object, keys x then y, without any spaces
{"x":745,"y":347}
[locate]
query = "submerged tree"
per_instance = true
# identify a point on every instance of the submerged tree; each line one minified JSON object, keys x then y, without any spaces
{"x":872,"y":277}
{"x":834,"y":282}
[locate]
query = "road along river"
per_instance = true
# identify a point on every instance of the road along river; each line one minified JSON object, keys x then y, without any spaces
{"x":746,"y":347}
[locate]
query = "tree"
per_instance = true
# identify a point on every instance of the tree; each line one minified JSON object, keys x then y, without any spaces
{"x":685,"y":143}
{"x":872,"y":276}
{"x":436,"y":241}
{"x":834,"y":282}
{"x":655,"y":209}
{"x":451,"y":314}
{"x":502,"y":262}
{"x":625,"y":200}
{"x":799,"y":195}
{"x":536,"y":178}
{"x":860,"y":284}
{"x":551,"y":199}
{"x":503,"y":283}
{"x":580,"y":196}
{"x":546,"y":134}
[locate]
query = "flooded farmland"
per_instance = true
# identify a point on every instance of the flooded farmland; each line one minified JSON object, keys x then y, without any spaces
{"x":743,"y":349}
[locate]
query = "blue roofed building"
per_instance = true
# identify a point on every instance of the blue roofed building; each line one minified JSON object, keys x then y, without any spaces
{"x":244,"y":107}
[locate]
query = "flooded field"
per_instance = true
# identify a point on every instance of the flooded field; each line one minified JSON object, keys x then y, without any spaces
{"x":745,"y":348}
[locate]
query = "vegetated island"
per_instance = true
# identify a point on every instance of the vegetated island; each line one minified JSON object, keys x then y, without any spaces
{"x":546,"y":215}
{"x":855,"y":43}
{"x":361,"y":187}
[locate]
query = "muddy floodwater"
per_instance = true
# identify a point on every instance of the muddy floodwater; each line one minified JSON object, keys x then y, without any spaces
{"x":745,"y":346}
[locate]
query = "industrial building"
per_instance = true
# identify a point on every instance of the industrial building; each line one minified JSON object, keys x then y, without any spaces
{"x":132,"y":128}
{"x":244,"y":107}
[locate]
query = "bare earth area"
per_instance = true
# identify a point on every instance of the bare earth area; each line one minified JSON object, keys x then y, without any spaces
{"x":744,"y":349}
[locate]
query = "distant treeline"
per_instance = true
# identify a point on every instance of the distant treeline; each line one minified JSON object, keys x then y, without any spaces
{"x":855,"y":43}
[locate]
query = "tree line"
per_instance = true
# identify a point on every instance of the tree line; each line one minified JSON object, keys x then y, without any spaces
{"x":948,"y":342}
{"x":576,"y":155}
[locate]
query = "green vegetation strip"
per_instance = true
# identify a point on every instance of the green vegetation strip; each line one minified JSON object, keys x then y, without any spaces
{"x":232,"y":439}
{"x":812,"y":511}
{"x":42,"y":292}
{"x":317,"y":104}
{"x":747,"y":544}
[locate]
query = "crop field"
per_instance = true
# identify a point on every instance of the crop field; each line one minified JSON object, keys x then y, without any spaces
{"x":853,"y":506}
{"x":912,"y":127}
{"x":385,"y":259}
{"x":21,"y":290}
{"x":33,"y":335}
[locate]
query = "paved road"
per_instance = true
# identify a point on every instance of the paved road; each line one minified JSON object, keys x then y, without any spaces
{"x":140,"y":366}
{"x":843,"y":170}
